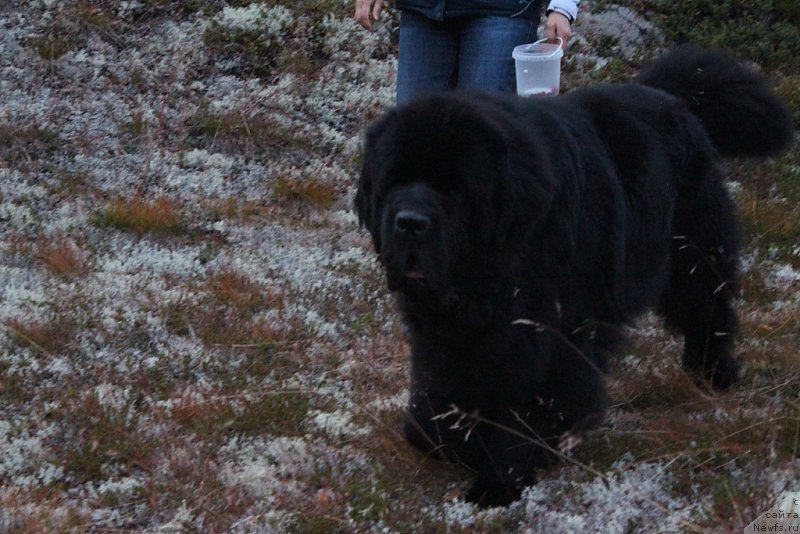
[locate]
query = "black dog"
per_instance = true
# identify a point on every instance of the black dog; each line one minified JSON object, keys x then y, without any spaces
{"x":518,"y":234}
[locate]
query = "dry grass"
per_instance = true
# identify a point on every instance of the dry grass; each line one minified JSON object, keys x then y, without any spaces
{"x":233,"y":209}
{"x":249,"y":130}
{"x":45,"y":337}
{"x":770,"y":222}
{"x":309,"y":190}
{"x":141,"y":216}
{"x":230,"y":313}
{"x":63,"y":258}
{"x":22,"y":145}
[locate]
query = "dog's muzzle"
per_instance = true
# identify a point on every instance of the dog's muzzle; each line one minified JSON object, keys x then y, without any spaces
{"x":410,"y":231}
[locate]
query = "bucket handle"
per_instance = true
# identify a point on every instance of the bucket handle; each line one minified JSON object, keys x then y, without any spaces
{"x":560,"y":44}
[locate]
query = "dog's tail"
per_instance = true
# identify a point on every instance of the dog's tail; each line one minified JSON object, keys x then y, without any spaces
{"x":740,"y":114}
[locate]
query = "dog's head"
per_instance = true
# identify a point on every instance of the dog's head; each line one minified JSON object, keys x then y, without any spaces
{"x":448,"y":187}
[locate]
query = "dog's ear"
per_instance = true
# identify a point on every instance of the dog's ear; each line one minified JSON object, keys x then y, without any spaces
{"x":365,"y":200}
{"x":372,"y":166}
{"x":363,"y":192}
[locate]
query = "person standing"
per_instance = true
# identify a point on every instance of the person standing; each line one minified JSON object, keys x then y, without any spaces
{"x":466,"y":44}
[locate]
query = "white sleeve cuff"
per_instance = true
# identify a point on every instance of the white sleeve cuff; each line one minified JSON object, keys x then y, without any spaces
{"x":565,"y":7}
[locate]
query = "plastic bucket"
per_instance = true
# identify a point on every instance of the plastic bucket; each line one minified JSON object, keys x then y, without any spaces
{"x":538,"y":68}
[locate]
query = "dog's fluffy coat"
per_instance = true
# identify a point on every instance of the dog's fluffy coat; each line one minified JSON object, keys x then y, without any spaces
{"x":519,"y":234}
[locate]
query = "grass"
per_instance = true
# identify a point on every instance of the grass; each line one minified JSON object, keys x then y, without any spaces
{"x":242,"y":411}
{"x":63,"y":259}
{"x":141,"y":216}
{"x":769,"y":210}
{"x":249,"y":131}
{"x":309,"y":189}
{"x":46,"y":337}
{"x":788,"y":87}
{"x":43,"y":515}
{"x":255,"y":51}
{"x":771,"y":223}
{"x":52,"y":46}
{"x":103,"y":441}
{"x":766,"y":32}
{"x":69,"y":32}
{"x":239,"y":209}
{"x":229,"y":314}
{"x":21,"y":145}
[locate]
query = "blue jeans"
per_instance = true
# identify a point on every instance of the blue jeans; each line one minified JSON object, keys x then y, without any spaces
{"x":465,"y":53}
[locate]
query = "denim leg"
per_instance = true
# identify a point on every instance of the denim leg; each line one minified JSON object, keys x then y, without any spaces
{"x":485,"y":62}
{"x":428,"y":56}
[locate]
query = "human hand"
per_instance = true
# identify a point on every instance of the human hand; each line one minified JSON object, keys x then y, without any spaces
{"x":367,"y":12}
{"x":557,"y":25}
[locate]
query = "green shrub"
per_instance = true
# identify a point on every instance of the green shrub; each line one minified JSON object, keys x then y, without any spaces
{"x":764,"y":31}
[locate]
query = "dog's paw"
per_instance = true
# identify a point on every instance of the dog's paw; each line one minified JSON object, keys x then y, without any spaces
{"x":417,"y":437}
{"x":725,"y":374}
{"x":490,"y":495}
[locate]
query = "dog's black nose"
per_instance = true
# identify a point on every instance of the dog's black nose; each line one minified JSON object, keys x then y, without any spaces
{"x":411,"y":222}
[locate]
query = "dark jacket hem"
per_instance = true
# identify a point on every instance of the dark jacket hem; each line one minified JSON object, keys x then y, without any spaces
{"x":442,"y":11}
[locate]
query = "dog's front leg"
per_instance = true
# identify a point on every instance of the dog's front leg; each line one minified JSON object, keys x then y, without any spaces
{"x":514,"y":450}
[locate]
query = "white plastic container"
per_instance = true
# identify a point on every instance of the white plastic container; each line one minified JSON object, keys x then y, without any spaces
{"x":538,"y":68}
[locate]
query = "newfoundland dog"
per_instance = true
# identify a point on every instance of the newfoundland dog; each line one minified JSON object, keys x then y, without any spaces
{"x":519,"y":235}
